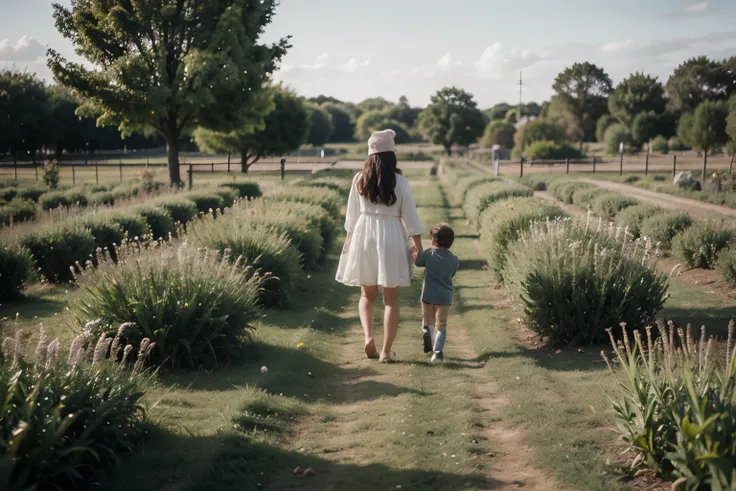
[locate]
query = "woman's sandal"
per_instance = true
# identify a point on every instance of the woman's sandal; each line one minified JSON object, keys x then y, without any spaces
{"x":370,"y":349}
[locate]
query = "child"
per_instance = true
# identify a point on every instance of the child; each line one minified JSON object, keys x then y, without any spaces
{"x":440,"y":267}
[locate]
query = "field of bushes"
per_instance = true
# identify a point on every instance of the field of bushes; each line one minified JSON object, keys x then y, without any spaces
{"x":591,"y":280}
{"x":165,"y":281}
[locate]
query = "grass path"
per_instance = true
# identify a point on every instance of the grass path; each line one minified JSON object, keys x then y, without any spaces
{"x":358,"y":424}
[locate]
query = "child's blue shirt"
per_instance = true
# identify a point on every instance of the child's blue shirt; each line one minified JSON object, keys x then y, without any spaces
{"x":441,"y":266}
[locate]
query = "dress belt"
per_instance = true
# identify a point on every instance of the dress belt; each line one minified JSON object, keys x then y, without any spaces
{"x":378,"y":215}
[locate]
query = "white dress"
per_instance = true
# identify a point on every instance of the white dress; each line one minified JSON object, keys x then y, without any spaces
{"x":377,"y":248}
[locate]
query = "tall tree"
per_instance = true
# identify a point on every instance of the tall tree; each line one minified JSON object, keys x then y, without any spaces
{"x":170,"y":65}
{"x":708,"y":129}
{"x":374,"y":104}
{"x":645,"y":127}
{"x":283,"y":130}
{"x":684,"y":128}
{"x":498,"y":111}
{"x":320,"y":128}
{"x":636,"y":94}
{"x":498,"y":132}
{"x":342,"y":122}
{"x":583,"y":88}
{"x":452,"y":117}
{"x":24,"y":113}
{"x":731,"y":129}
{"x":697,"y":80}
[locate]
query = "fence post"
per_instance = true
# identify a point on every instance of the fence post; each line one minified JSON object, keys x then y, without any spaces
{"x":15,"y":168}
{"x":74,"y":176}
{"x":646,"y":164}
{"x":189,"y":172}
{"x":621,"y":165}
{"x":213,"y":168}
{"x":35,"y":168}
{"x":521,"y":167}
{"x":594,"y":159}
{"x":97,"y":173}
{"x":674,"y":165}
{"x":567,"y":166}
{"x":283,"y":169}
{"x":228,"y":163}
{"x":120,"y":164}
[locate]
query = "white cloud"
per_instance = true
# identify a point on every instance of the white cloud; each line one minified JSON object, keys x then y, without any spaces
{"x":697,"y":8}
{"x":25,"y":49}
{"x":494,"y":62}
{"x":353,"y":64}
{"x":617,"y":47}
{"x":445,"y":62}
{"x":700,"y":9}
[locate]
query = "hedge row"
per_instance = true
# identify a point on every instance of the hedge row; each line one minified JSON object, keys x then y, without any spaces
{"x":77,"y":239}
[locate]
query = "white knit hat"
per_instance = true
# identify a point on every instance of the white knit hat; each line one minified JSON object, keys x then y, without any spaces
{"x":382,"y":141}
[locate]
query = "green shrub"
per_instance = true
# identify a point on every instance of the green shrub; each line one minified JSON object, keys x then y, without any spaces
{"x":503,"y":222}
{"x":465,"y":184}
{"x":315,"y":214}
{"x":537,"y":183}
{"x":342,"y":186}
{"x":584,"y":197}
{"x":660,"y":145}
{"x":159,"y":221}
{"x":205,"y":201}
{"x":102,"y":198}
{"x":659,"y":178}
{"x":57,"y":248}
{"x":228,"y":196}
{"x":674,"y":144}
{"x":302,"y":234}
{"x":66,"y":419}
{"x":31,"y":193}
{"x":547,"y":150}
{"x":269,"y":252}
{"x":7,"y":194}
{"x":631,"y":179}
{"x":245,"y":189}
{"x":107,"y":233}
{"x":663,"y":227}
{"x":481,"y":197}
{"x":196,"y":305}
{"x":699,"y":245}
{"x":330,"y":200}
{"x":608,"y":205}
{"x":575,"y":281}
{"x":726,"y":264}
{"x":133,"y":224}
{"x":15,"y":268}
{"x":676,"y":406}
{"x":100,"y":188}
{"x":563,"y":189}
{"x":615,"y":134}
{"x":181,"y":210}
{"x":18,"y":210}
{"x":632,"y":217}
{"x":55,"y":199}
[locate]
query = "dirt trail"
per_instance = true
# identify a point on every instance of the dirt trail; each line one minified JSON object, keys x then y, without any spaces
{"x":695,"y":208}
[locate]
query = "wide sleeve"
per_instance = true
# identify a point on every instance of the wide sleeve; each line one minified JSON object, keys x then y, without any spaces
{"x":353,"y":210}
{"x":409,"y":214}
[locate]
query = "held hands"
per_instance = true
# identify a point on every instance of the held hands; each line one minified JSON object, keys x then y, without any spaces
{"x":414,"y":252}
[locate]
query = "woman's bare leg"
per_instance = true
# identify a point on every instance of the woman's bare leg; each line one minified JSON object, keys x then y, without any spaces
{"x":390,"y":319}
{"x":368,"y":296}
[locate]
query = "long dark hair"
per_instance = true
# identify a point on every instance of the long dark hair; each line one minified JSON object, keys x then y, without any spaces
{"x":378,"y":180}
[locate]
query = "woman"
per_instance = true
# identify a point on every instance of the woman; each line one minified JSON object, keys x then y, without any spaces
{"x":376,"y":251}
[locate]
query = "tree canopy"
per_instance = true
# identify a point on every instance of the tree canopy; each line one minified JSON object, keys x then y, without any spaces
{"x":700,"y":79}
{"x":539,"y":130}
{"x":284,"y":129}
{"x":645,"y":127}
{"x":24,"y":106}
{"x":636,"y":94}
{"x":452,"y":117}
{"x":172,"y":67}
{"x":320,"y":128}
{"x":343,"y":126}
{"x":498,"y":132}
{"x":708,"y":129}
{"x":583,"y":89}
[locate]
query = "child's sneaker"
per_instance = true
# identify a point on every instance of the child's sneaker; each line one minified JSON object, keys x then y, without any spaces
{"x":427,"y":338}
{"x":437,"y":357}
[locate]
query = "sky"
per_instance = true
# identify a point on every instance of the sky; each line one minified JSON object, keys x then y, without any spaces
{"x":355,"y":49}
